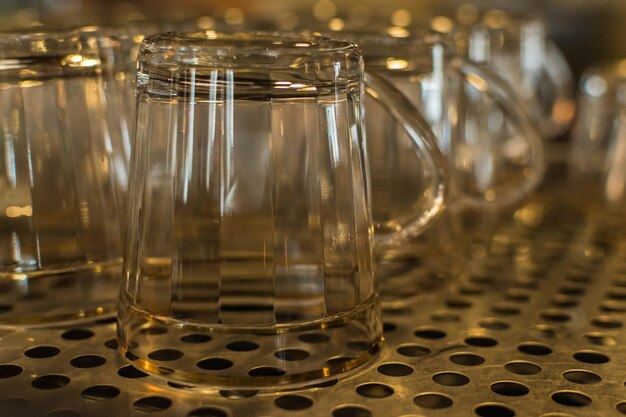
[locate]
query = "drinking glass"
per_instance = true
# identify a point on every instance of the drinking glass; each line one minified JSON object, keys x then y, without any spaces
{"x":61,"y":183}
{"x":248,"y":260}
{"x":491,"y":169}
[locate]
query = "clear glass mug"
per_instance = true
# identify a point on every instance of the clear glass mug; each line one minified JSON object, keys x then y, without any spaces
{"x":490,"y":174}
{"x":248,"y":260}
{"x":60,"y":185}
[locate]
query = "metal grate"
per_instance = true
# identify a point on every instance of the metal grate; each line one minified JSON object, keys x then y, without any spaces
{"x":534,"y":329}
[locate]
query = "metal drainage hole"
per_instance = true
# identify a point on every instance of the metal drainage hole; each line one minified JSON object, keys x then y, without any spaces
{"x":494,"y":324}
{"x":557,"y":316}
{"x":352,"y":411}
{"x":100,"y":392}
{"x":165,"y":355}
{"x":48,"y":382}
{"x":389,"y":327}
{"x":207,"y":412}
{"x":588,"y":356}
{"x":543,"y":330}
{"x":196,"y":338}
{"x":373,"y":390}
{"x":404,"y":311}
{"x":505,"y":309}
{"x":621,"y":407}
{"x":238,"y":394}
{"x":451,"y":379}
{"x":214,"y":364}
{"x":574,"y":290}
{"x":458,"y":303}
{"x":314,"y":338}
{"x":153,"y":330}
{"x":611,"y":306}
{"x":580,"y":376}
{"x":522,"y":368}
{"x":518,"y":295}
{"x":493,"y":410}
{"x":481,"y":341}
{"x":130,"y":372}
{"x":467,"y":359}
{"x":265,"y":371}
{"x":600,"y":339}
{"x":63,"y":413}
{"x":77,"y":334}
{"x":606,"y":322}
{"x":509,"y":388}
{"x":41,"y":352}
{"x":536,"y":349}
{"x":564,"y":301}
{"x":292,"y":355}
{"x":616,"y":294}
{"x":5,"y":308}
{"x":571,"y":398}
{"x":445,"y":317}
{"x":242,"y":346}
{"x":293,"y":402}
{"x":429,"y":333}
{"x":111,"y":344}
{"x":395,"y":369}
{"x":152,"y":404}
{"x":413,"y":351}
{"x":358,"y":345}
{"x":87,"y":361}
{"x":9,"y":371}
{"x":433,"y":400}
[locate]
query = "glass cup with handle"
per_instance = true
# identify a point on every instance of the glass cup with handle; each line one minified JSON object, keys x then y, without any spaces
{"x":490,"y":174}
{"x":61,"y":186}
{"x":249,"y":221}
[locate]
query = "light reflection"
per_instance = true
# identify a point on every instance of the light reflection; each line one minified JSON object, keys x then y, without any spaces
{"x":17,"y":211}
{"x":324,"y":10}
{"x":396,"y":64}
{"x":336,"y":24}
{"x":401,"y":17}
{"x":398,"y":32}
{"x":442,"y":24}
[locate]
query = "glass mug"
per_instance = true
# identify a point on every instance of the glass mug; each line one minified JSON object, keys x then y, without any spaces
{"x":249,"y":226}
{"x":61,"y":246}
{"x":490,"y":173}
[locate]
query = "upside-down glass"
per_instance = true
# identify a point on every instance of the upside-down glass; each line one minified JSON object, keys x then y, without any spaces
{"x":249,"y":228}
{"x":59,"y":217}
{"x":489,"y":173}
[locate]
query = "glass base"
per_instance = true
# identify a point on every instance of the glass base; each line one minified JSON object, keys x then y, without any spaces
{"x":277,"y":357}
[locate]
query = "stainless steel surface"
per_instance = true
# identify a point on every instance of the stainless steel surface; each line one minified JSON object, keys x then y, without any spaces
{"x":535,"y":329}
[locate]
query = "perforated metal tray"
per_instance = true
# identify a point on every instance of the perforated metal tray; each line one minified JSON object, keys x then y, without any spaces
{"x":535,"y":329}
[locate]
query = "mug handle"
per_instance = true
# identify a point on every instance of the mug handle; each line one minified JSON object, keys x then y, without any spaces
{"x":515,"y":110}
{"x":397,"y":231}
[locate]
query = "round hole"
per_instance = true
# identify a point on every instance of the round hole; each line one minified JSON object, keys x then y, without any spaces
{"x":196,"y":338}
{"x":292,"y":355}
{"x":214,"y":364}
{"x":481,"y":341}
{"x":395,"y":369}
{"x":165,"y":355}
{"x":429,"y":333}
{"x":41,"y":352}
{"x":523,"y":368}
{"x":152,"y":404}
{"x":48,"y":382}
{"x":403,"y":311}
{"x":389,"y":327}
{"x":621,"y":407}
{"x":516,"y":294}
{"x":242,"y":346}
{"x":358,"y":345}
{"x":571,"y":398}
{"x":467,"y":359}
{"x":130,"y":372}
{"x":494,"y":324}
{"x":88,"y":361}
{"x":9,"y":371}
{"x":612,"y":306}
{"x":564,"y":301}
{"x":574,"y":290}
{"x":314,"y":338}
{"x":580,"y":376}
{"x":77,"y":334}
{"x":616,"y":294}
{"x":557,"y":316}
{"x":293,"y":402}
{"x":266,"y":371}
{"x":494,"y":410}
{"x":107,"y":320}
{"x":100,"y":392}
{"x":352,"y":411}
{"x":5,"y":308}
{"x":207,"y":412}
{"x":63,"y":413}
{"x":154,"y":330}
{"x":238,"y":394}
{"x":339,"y":360}
{"x":471,"y":289}
{"x":433,"y":400}
{"x":451,"y":379}
{"x":543,"y":330}
{"x":606,"y":322}
{"x":600,"y":339}
{"x":413,"y":351}
{"x":444,"y":316}
{"x":588,"y":356}
{"x":374,"y":390}
{"x":533,"y":348}
{"x":111,"y":344}
{"x":505,"y":309}
{"x":509,"y":388}
{"x":458,"y":303}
